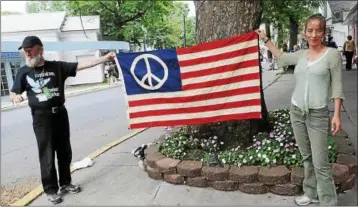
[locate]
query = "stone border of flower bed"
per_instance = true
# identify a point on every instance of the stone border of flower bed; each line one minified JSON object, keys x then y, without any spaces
{"x":278,"y":180}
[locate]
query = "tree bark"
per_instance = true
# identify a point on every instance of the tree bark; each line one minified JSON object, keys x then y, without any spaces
{"x":218,"y":20}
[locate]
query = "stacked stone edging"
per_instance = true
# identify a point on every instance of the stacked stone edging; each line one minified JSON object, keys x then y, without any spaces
{"x":249,"y":179}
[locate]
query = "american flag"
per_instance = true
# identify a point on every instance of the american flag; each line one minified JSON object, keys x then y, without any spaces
{"x":210,"y":82}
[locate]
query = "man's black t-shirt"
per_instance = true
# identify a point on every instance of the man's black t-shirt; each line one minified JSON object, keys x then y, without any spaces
{"x":45,"y":84}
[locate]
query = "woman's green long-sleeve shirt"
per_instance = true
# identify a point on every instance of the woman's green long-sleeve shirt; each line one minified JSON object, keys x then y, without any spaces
{"x":314,"y":79}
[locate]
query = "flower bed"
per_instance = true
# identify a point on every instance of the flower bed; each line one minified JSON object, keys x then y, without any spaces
{"x":271,"y":163}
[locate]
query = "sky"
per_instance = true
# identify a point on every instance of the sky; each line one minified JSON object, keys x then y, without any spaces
{"x":19,"y":6}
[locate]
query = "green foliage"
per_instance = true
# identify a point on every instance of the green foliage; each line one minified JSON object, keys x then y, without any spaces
{"x":178,"y":144}
{"x":268,"y":149}
{"x":279,"y":12}
{"x":160,"y":22}
{"x":48,"y":6}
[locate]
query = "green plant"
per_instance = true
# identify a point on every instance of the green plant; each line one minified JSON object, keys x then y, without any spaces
{"x":278,"y":147}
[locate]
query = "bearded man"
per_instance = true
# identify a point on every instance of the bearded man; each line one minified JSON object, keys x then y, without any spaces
{"x":44,"y":82}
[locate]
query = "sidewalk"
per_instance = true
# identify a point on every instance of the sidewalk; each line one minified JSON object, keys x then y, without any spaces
{"x":116,"y":179}
{"x":6,"y":104}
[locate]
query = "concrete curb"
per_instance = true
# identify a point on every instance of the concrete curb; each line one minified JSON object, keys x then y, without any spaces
{"x":274,"y":81}
{"x":35,"y":193}
{"x":77,"y":93}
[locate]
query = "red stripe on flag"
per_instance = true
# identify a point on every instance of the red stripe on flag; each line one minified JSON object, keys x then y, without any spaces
{"x":201,"y":97}
{"x":221,"y":69}
{"x":220,"y":82}
{"x":242,"y":116}
{"x":218,"y":43}
{"x":196,"y":109}
{"x":214,"y":58}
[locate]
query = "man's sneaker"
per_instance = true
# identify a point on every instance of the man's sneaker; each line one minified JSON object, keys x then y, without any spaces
{"x":54,"y":198}
{"x":305,"y":200}
{"x":70,"y":189}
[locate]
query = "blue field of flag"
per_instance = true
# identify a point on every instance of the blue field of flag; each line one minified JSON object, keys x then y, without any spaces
{"x":150,"y":72}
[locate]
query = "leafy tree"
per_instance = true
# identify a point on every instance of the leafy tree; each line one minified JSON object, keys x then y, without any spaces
{"x":48,"y":6}
{"x":219,"y":20}
{"x":288,"y":16}
{"x":157,"y":21}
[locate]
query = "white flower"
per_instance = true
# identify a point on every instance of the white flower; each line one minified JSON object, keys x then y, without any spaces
{"x":294,"y":156}
{"x":267,"y":160}
{"x":264,"y":156}
{"x":241,"y":156}
{"x":239,"y":164}
{"x":329,"y":147}
{"x":213,"y":141}
{"x":259,"y":148}
{"x":269,"y":148}
{"x":281,"y":144}
{"x":254,"y":140}
{"x":250,"y":157}
{"x":276,"y":150}
{"x":244,"y":161}
{"x":223,"y":161}
{"x":202,"y":144}
{"x":215,"y":137}
{"x":259,"y":155}
{"x":221,"y":143}
{"x":274,"y":160}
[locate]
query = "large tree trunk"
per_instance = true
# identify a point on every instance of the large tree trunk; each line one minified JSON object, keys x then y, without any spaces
{"x":219,"y":20}
{"x":293,"y":33}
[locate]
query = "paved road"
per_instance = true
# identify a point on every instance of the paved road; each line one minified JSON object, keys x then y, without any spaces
{"x":96,"y":119}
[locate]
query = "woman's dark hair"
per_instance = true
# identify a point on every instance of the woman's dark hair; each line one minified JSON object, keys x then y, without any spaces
{"x":318,"y":17}
{"x":349,"y":37}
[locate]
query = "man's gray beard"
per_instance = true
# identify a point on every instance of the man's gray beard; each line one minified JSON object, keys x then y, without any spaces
{"x":35,"y":61}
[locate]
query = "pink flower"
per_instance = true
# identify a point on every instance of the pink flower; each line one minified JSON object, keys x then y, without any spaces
{"x":294,"y":137}
{"x":287,"y":146}
{"x":291,"y":143}
{"x":258,"y":143}
{"x":272,"y":135}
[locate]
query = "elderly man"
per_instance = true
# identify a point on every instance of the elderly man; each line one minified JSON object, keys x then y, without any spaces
{"x":44,"y":82}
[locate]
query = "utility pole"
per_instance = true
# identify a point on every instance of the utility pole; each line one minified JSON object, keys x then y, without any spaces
{"x":184,"y":30}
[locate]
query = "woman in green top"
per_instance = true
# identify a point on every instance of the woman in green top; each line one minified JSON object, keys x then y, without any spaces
{"x":317,"y":69}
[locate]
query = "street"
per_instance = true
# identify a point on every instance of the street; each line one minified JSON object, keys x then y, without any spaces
{"x":96,"y":119}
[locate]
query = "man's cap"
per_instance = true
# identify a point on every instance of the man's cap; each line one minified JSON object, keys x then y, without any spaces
{"x":30,"y":41}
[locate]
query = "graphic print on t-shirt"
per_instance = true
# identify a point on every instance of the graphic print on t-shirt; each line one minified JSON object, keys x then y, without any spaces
{"x":42,"y":86}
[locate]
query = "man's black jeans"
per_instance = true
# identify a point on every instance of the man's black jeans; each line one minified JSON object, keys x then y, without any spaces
{"x":349,"y":58}
{"x":52,"y":131}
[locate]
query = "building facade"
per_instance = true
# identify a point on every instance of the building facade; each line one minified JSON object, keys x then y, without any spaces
{"x":52,"y":27}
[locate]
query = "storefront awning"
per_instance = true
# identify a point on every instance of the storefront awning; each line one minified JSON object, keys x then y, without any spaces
{"x":12,"y":46}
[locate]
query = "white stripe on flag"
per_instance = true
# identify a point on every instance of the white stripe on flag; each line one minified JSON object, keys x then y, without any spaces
{"x":213,"y":89}
{"x":219,"y":63}
{"x":229,"y":74}
{"x":208,"y":102}
{"x":217,"y":51}
{"x":240,"y":110}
